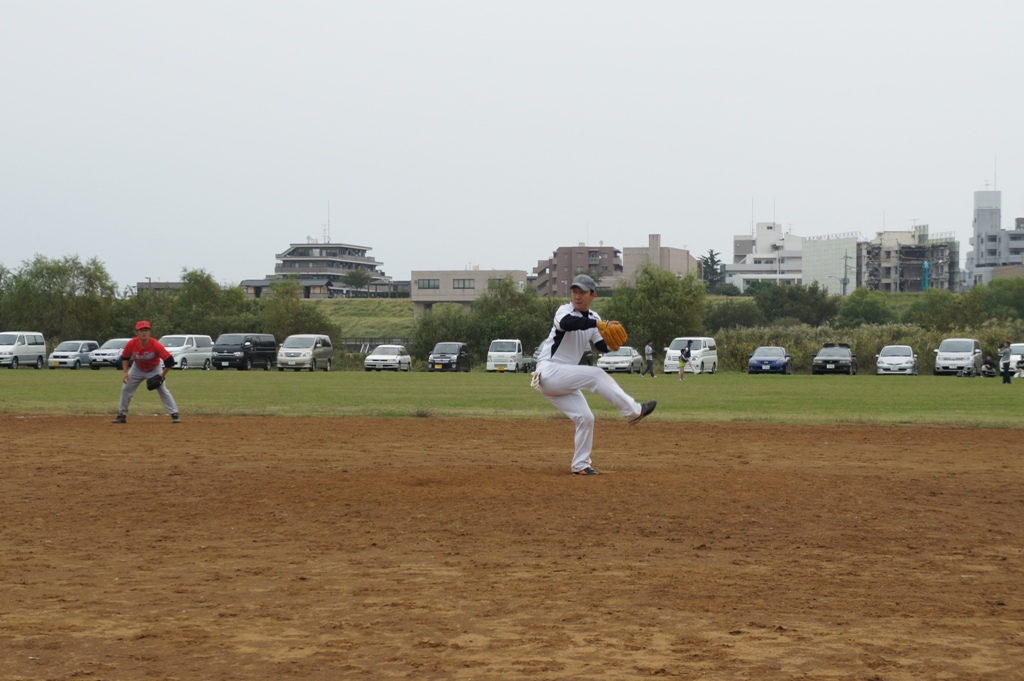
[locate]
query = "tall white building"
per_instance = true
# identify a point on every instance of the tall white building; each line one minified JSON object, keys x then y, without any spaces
{"x":992,"y":246}
{"x":767,"y":255}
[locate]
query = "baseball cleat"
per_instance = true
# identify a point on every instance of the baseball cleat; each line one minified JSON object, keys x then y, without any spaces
{"x":121,"y":418}
{"x":586,"y":471}
{"x":645,"y":409}
{"x":175,"y":418}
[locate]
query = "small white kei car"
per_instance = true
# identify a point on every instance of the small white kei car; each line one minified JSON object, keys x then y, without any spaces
{"x":392,"y":357}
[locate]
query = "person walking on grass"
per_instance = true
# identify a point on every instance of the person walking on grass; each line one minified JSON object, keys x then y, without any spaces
{"x":649,"y":358}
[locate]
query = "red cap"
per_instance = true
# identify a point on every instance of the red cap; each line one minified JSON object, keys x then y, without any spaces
{"x":142,"y":325}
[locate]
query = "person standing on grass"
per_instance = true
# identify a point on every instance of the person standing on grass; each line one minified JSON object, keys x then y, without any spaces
{"x":684,"y":357}
{"x":1004,"y":361}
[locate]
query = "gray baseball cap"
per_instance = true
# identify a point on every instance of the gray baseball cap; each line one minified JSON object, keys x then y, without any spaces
{"x":584,"y":282}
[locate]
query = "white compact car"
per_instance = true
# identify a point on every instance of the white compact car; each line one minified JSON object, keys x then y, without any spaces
{"x":391,"y":357}
{"x":896,"y":359}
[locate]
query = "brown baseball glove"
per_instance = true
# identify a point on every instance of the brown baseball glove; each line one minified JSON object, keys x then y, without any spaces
{"x":613,"y":333}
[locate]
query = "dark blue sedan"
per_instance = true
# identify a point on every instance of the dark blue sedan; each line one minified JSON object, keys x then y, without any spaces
{"x":769,"y":359}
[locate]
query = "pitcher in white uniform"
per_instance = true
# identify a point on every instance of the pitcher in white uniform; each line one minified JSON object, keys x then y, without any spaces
{"x":561,"y":379}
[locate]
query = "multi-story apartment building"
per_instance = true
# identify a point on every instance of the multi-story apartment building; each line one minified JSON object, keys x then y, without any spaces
{"x":767,"y":255}
{"x":321,"y":268}
{"x":994,"y":248}
{"x":603,"y":263}
{"x":431,"y":287}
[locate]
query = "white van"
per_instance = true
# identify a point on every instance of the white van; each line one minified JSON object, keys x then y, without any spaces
{"x":956,"y":355}
{"x":703,"y":355}
{"x":505,"y":354}
{"x":189,"y":350}
{"x":22,"y":347}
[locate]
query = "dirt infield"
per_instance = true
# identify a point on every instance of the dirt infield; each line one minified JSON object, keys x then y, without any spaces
{"x":244,"y":548}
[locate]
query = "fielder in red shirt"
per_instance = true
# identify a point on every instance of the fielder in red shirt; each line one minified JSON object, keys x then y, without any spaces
{"x":148,"y":358}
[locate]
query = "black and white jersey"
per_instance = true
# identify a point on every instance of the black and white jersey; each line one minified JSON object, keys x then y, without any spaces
{"x":570,"y":336}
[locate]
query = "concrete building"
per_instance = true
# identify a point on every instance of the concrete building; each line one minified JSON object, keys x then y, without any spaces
{"x":320,"y":269}
{"x":554,"y":275}
{"x":430,"y":287}
{"x":910,"y":260}
{"x":767,"y":255}
{"x":830,"y":261}
{"x":675,"y":260}
{"x":992,"y":246}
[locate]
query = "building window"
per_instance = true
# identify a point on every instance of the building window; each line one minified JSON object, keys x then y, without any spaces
{"x":493,"y":283}
{"x":464,"y":283}
{"x":428,"y":283}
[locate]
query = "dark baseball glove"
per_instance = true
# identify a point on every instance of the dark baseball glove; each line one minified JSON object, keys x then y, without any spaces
{"x":613,"y":333}
{"x":153,"y":382}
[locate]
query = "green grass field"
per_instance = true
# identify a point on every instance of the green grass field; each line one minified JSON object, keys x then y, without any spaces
{"x":725,"y":397}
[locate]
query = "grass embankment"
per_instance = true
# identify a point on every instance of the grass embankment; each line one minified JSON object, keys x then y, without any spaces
{"x":370,"y":318}
{"x":724,"y":397}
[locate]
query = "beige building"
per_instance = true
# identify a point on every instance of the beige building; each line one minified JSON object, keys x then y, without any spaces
{"x":430,"y":287}
{"x":675,"y":260}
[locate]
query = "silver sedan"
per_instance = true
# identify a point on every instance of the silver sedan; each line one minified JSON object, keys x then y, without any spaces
{"x":625,"y":359}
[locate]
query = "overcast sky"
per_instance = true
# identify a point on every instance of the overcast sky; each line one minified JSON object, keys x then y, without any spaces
{"x":158,"y":136}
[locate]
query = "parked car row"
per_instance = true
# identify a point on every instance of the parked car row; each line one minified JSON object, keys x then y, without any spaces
{"x":953,"y":356}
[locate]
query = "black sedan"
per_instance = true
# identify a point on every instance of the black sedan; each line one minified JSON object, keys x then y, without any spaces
{"x":770,"y":359}
{"x":835,"y":358}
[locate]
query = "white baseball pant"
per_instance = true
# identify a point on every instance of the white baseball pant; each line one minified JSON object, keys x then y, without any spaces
{"x":562,"y":384}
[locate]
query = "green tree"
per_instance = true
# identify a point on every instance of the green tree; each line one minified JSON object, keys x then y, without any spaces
{"x":506,"y":310}
{"x":711,"y":269}
{"x":285,"y":313}
{"x":358,"y":279}
{"x":733,"y":314}
{"x":865,"y":307}
{"x":942,"y":310}
{"x":1004,"y":298}
{"x":445,"y":322}
{"x":63,"y":298}
{"x":810,"y":304}
{"x":659,"y":306}
{"x":198,"y":305}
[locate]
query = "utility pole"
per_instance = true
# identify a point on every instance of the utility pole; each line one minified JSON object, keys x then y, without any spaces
{"x":846,"y":271}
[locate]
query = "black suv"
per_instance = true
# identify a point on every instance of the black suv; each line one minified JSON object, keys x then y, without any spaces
{"x":449,"y":356}
{"x":244,"y":351}
{"x":835,"y":358}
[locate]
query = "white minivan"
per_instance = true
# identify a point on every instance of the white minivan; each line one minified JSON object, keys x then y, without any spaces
{"x":958,"y":355}
{"x":22,"y":347}
{"x":703,"y":355}
{"x":189,"y":351}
